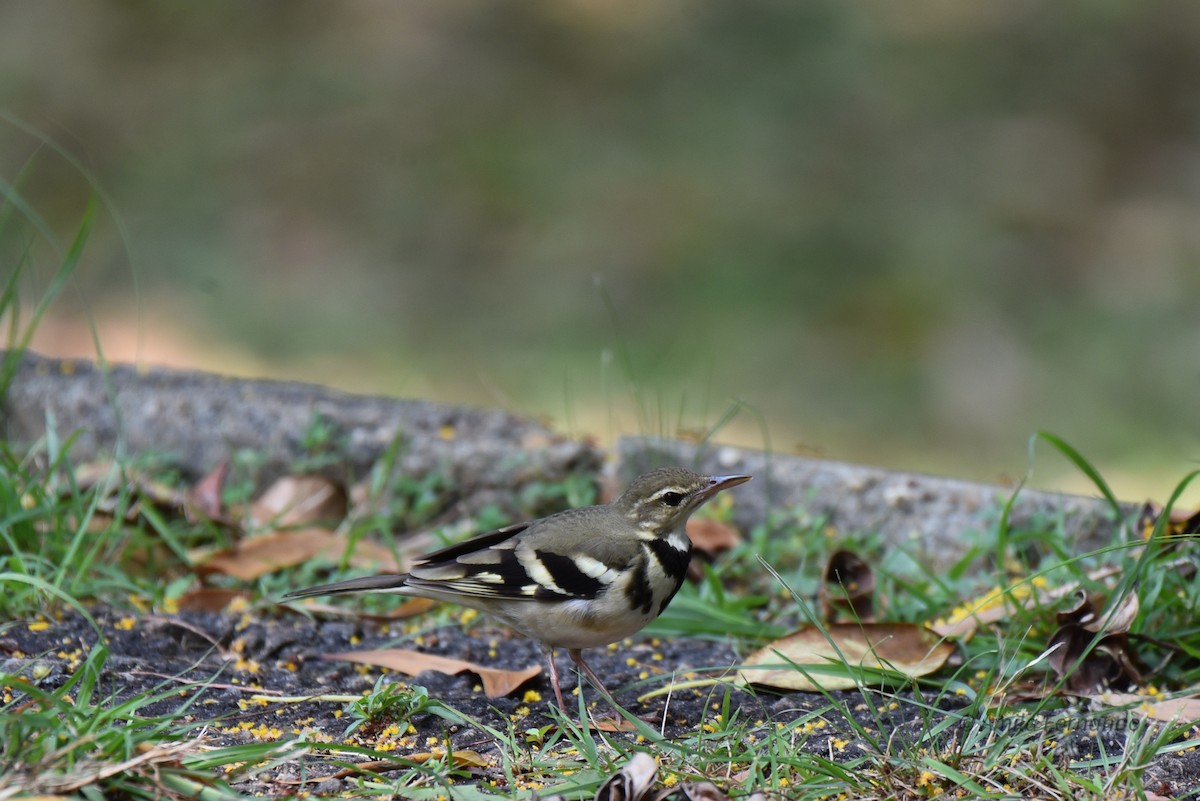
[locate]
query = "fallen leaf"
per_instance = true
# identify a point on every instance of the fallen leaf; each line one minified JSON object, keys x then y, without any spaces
{"x":265,"y":553}
{"x":700,"y":791}
{"x":209,"y":599}
{"x":813,"y":659}
{"x":849,"y":586}
{"x":1089,"y":612}
{"x":461,"y":759}
{"x":299,"y":500}
{"x":612,"y":726}
{"x":496,"y":682}
{"x":1091,"y":651}
{"x":632,"y":782}
{"x":203,"y":501}
{"x":1171,"y":710}
{"x":712,"y":537}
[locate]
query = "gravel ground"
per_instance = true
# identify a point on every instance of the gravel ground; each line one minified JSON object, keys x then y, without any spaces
{"x":220,"y":662}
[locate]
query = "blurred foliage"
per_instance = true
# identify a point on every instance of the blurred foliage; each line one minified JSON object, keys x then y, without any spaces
{"x":908,"y":234}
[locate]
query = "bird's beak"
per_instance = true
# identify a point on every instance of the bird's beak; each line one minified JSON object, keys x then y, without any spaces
{"x":718,"y":483}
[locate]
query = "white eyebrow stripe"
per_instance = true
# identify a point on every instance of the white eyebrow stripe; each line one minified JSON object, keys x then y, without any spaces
{"x":594,"y":568}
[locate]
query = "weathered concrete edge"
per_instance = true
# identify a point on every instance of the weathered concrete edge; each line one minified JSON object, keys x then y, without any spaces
{"x":198,"y":419}
{"x":928,"y":514}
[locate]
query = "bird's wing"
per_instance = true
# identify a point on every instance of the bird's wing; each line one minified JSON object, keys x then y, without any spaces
{"x":503,"y":565}
{"x":480,"y":542}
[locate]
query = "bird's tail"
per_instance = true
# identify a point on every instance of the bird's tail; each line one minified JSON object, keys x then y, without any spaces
{"x":389,"y":583}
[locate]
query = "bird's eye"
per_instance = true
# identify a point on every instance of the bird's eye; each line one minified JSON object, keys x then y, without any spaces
{"x":672,"y":498}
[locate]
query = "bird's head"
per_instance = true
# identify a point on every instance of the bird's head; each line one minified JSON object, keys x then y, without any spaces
{"x":662,"y":500}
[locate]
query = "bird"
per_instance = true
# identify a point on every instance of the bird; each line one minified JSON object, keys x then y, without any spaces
{"x":579,"y":578}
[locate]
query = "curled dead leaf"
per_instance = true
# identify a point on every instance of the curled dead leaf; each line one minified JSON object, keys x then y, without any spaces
{"x":298,"y":501}
{"x":849,"y":587}
{"x":632,"y":782}
{"x":835,"y":657}
{"x":700,"y":791}
{"x":1091,"y":651}
{"x":203,"y":501}
{"x":496,"y":682}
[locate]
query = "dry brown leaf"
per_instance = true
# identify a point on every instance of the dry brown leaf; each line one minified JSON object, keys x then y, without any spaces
{"x":1118,"y":616}
{"x":904,"y":648}
{"x":496,"y":682}
{"x":298,"y":501}
{"x":849,"y":586}
{"x":1170,"y":710}
{"x":632,"y":782}
{"x":203,"y":501}
{"x":367,"y":554}
{"x":700,"y":791}
{"x":462,"y":759}
{"x":256,"y":556}
{"x":612,"y":726}
{"x":264,"y":553}
{"x":1111,"y":663}
{"x":209,"y":599}
{"x":1089,"y":613}
{"x":712,"y":537}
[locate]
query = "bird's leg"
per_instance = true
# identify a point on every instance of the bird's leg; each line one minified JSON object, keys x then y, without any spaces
{"x":554,"y":680}
{"x":577,"y":658}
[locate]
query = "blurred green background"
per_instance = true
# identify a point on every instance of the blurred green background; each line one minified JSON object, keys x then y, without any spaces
{"x":907,"y":234}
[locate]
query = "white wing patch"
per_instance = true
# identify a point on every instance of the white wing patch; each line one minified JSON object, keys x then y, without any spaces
{"x":537,"y":571}
{"x":594,"y":568}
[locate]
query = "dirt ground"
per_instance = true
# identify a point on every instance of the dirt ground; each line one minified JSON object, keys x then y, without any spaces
{"x":219,"y":664}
